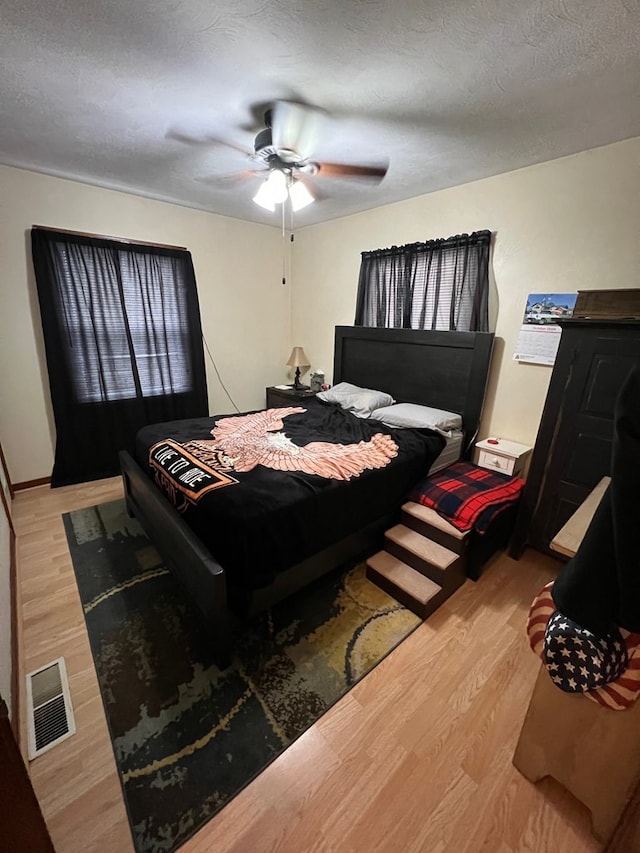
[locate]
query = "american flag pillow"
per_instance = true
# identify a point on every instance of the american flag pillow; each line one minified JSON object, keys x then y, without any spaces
{"x":616,"y":688}
{"x":577,"y":659}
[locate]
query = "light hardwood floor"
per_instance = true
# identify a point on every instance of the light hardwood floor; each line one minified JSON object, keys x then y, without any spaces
{"x":415,"y":758}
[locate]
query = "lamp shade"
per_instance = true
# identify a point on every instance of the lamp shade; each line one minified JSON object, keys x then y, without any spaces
{"x":263,"y":198}
{"x":298,"y":358}
{"x":277,"y":184}
{"x":299,"y":195}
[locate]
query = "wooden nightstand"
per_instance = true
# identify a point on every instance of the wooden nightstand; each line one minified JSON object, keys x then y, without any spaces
{"x":506,"y":457}
{"x":278,"y":397}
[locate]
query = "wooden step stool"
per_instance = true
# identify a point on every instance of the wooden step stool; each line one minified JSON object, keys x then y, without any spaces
{"x":423,"y":560}
{"x":592,"y":751}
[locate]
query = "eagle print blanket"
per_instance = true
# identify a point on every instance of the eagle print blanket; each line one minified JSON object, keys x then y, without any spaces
{"x":265,"y":490}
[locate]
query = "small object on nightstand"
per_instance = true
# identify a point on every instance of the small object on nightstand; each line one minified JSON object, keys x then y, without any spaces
{"x":506,"y":457}
{"x":316,"y":380}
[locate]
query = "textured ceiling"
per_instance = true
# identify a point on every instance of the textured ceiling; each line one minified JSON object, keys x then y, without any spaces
{"x":162,"y":97}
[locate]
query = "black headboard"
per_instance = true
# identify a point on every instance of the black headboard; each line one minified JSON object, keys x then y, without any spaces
{"x":446,"y":370}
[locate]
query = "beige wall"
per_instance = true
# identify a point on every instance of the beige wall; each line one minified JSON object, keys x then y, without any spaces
{"x":244,"y":307}
{"x":560,"y":226}
{"x":568,"y":224}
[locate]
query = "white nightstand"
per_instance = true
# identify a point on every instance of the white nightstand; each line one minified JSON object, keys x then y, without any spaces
{"x":501,"y":455}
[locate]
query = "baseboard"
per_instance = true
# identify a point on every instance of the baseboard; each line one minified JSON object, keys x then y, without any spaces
{"x":30,"y":484}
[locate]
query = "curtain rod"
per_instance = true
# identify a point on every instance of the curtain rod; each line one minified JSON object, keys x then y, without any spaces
{"x":106,"y":237}
{"x":475,"y":238}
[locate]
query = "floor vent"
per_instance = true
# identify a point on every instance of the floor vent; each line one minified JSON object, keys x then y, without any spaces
{"x":49,"y":713}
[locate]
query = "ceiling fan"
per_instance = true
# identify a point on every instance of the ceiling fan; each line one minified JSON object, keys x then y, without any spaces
{"x":284,"y":149}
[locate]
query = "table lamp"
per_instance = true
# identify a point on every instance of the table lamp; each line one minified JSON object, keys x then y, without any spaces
{"x":298,"y":359}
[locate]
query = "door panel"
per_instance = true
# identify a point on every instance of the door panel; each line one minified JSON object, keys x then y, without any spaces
{"x":581,"y":452}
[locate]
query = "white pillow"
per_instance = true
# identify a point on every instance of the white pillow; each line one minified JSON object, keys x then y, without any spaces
{"x":359,"y":401}
{"x":412,"y":415}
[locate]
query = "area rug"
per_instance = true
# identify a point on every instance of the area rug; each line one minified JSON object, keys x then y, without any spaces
{"x":187,"y":736}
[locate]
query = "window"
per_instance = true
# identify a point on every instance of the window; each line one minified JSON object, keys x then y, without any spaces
{"x":125,"y":323}
{"x":123,"y":339}
{"x":438,"y":285}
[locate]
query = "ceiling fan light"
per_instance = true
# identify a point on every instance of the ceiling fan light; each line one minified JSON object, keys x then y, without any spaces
{"x":264,"y":199}
{"x":277,"y":186}
{"x":299,"y":195}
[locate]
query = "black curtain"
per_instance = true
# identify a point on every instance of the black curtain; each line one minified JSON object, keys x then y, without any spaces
{"x":123,"y":341}
{"x":440,"y":284}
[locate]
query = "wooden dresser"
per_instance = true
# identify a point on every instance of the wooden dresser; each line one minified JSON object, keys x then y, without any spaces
{"x":573,"y":447}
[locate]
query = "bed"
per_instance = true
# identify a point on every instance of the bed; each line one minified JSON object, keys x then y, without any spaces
{"x":317,"y":523}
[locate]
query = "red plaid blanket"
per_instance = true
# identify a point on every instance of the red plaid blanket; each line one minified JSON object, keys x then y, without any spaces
{"x":468,"y":496}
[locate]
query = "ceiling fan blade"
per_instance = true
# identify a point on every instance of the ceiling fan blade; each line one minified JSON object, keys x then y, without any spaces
{"x":296,"y":127}
{"x":206,"y":139}
{"x":345,"y":170}
{"x":224,"y":182}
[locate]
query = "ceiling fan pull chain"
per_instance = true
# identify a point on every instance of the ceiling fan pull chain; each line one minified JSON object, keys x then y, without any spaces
{"x":284,"y":253}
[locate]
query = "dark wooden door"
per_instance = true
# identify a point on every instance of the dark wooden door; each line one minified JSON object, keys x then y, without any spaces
{"x":22,"y":827}
{"x":573,"y":448}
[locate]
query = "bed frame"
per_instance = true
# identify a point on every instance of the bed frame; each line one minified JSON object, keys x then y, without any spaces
{"x":446,"y":370}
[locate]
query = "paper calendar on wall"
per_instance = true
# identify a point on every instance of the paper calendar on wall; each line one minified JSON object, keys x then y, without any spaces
{"x":539,"y":335}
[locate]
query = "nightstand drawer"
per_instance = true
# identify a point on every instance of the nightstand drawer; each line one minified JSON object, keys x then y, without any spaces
{"x":278,"y":397}
{"x":503,"y":464}
{"x":499,"y":454}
